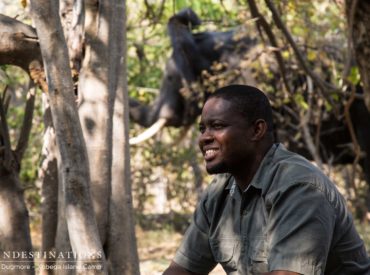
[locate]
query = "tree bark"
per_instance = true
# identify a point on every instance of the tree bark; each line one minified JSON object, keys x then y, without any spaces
{"x":48,"y":176}
{"x":19,"y":44}
{"x":94,"y":110}
{"x":122,"y":241}
{"x":82,"y":228}
{"x":360,"y":24}
{"x":358,"y":18}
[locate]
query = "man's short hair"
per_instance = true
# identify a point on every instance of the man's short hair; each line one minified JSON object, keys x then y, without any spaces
{"x":249,"y":101}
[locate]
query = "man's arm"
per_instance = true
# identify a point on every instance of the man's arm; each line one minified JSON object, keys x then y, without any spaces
{"x":175,"y":269}
{"x":281,"y":272}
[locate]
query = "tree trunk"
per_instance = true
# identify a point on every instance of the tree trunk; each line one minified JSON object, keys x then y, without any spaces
{"x":359,"y":21}
{"x":82,"y":228}
{"x":358,"y":17}
{"x":48,"y":176}
{"x":121,"y":229}
{"x":94,"y":110}
{"x":14,"y":226}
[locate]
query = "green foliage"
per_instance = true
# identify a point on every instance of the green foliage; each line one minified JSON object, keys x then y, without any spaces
{"x":354,"y":76}
{"x":300,"y":101}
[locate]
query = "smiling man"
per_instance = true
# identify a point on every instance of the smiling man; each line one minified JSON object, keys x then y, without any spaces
{"x":268,"y":210}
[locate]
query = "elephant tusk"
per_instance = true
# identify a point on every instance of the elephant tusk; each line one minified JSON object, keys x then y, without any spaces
{"x":148,"y":133}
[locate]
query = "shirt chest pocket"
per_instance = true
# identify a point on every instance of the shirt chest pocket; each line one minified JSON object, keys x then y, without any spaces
{"x":225,"y":252}
{"x":257,"y":256}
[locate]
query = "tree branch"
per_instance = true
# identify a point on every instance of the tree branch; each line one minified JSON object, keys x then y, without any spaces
{"x":27,"y":122}
{"x":356,"y":146}
{"x":4,"y":132}
{"x":263,"y":23}
{"x":19,"y":43}
{"x":305,"y":118}
{"x":349,"y":57}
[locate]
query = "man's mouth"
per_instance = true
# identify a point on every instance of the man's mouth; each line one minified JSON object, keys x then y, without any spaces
{"x":209,"y":154}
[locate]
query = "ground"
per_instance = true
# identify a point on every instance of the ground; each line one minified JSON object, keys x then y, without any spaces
{"x":157,"y":247}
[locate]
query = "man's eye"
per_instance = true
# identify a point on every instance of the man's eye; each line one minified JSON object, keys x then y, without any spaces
{"x":201,"y":129}
{"x":218,"y":126}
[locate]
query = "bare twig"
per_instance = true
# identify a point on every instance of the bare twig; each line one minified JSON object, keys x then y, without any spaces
{"x":150,"y":13}
{"x":291,"y":112}
{"x":356,"y":146}
{"x":305,"y":118}
{"x":6,"y":99}
{"x":318,"y":130}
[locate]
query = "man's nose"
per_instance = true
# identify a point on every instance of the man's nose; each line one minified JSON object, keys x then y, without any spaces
{"x":206,"y":137}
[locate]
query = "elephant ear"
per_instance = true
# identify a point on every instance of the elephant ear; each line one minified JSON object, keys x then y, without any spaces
{"x":186,"y":52}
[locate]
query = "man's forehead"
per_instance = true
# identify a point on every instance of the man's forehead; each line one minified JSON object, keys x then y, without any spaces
{"x":216,"y":104}
{"x":219,"y":108}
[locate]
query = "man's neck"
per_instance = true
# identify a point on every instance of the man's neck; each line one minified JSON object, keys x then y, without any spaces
{"x":245,"y":176}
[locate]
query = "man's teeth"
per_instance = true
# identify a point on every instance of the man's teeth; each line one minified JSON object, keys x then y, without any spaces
{"x":210,"y":153}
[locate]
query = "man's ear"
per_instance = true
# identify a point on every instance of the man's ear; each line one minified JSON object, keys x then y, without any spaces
{"x":259,"y":129}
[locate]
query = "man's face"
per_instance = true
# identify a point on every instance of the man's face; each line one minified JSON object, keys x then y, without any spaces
{"x":225,"y":138}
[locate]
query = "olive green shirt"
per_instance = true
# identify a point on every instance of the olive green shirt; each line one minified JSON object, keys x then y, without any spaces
{"x":291,"y":217}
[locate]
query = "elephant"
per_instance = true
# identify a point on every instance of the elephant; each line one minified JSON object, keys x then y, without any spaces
{"x":198,"y":58}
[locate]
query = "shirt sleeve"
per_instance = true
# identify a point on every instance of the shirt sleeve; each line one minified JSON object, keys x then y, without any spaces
{"x":301,"y":225}
{"x":194,"y":253}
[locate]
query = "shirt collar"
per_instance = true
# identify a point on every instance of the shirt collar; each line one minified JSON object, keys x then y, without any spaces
{"x":258,"y":181}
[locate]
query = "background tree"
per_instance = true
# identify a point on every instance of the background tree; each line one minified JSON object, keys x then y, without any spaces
{"x":358,"y":31}
{"x":111,"y":195}
{"x":75,"y":179}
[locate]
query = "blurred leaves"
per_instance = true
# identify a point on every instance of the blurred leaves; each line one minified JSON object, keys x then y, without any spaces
{"x":354,"y":76}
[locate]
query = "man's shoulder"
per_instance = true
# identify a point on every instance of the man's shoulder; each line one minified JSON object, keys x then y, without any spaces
{"x":289,"y":168}
{"x":291,"y":171}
